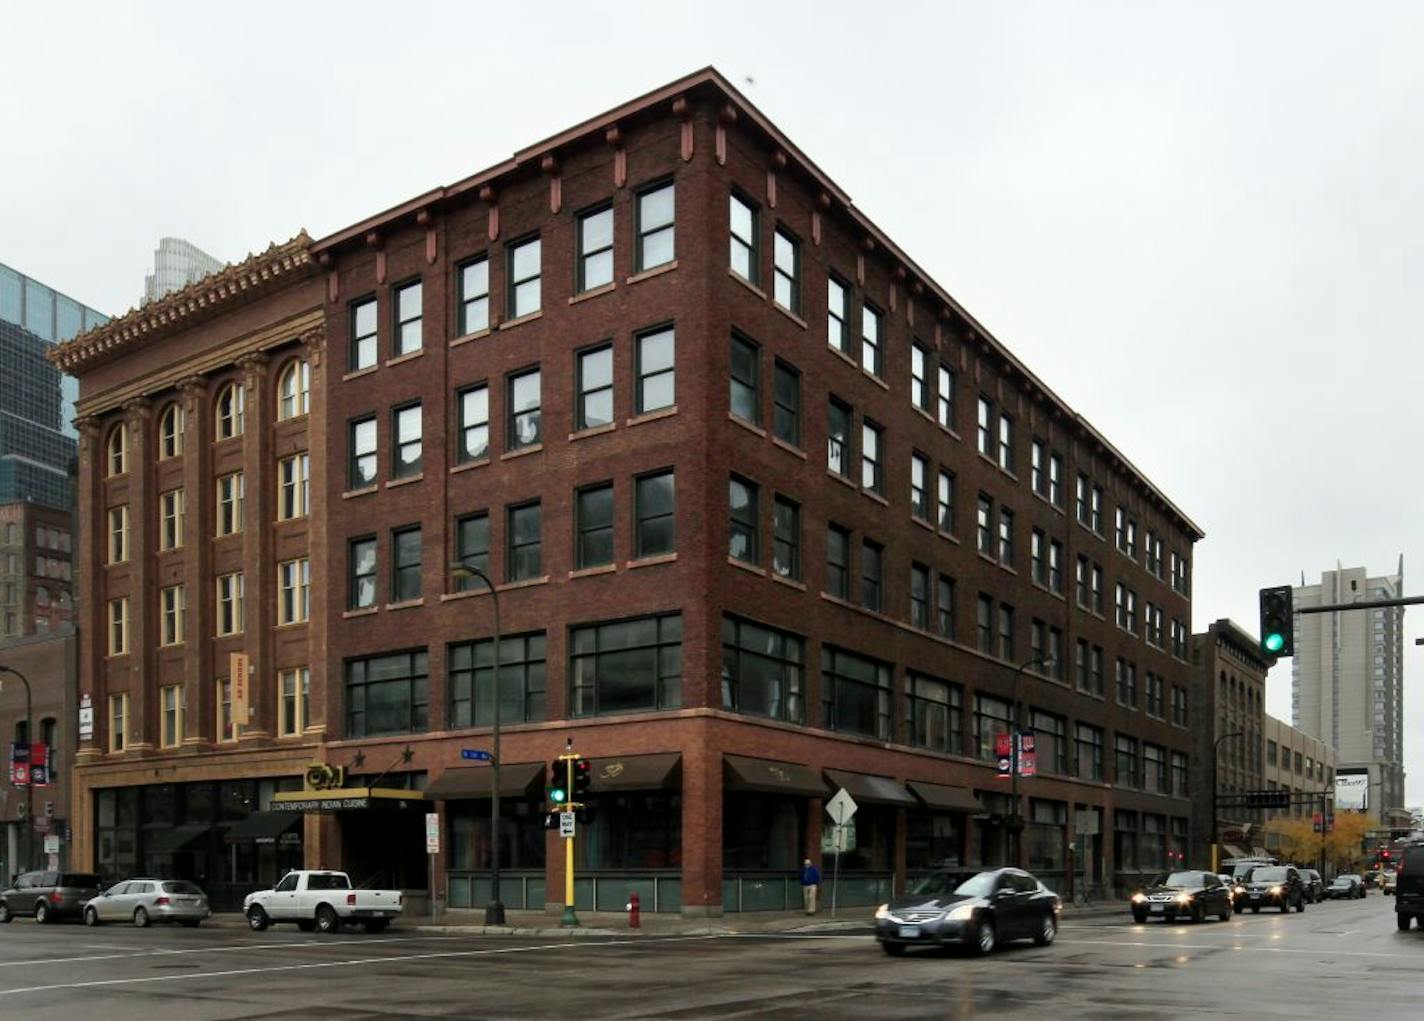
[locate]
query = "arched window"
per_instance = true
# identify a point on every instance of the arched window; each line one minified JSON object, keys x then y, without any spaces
{"x":118,"y":450}
{"x":293,"y":389}
{"x":229,"y":411}
{"x":170,"y":431}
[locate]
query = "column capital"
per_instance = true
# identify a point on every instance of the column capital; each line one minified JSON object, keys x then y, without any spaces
{"x":313,"y":343}
{"x":138,"y":410}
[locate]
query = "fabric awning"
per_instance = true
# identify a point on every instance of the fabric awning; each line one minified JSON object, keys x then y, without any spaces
{"x":263,"y":828}
{"x":872,"y":790}
{"x":516,"y":780}
{"x":747,"y":774}
{"x":634,"y":773}
{"x":1232,"y":851}
{"x":945,"y":799}
{"x":179,"y":838}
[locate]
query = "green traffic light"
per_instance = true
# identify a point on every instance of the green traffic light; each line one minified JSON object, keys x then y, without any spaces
{"x":1275,"y":642}
{"x":558,"y":795}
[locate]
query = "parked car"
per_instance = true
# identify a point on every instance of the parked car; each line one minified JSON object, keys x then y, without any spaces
{"x":1275,"y":886}
{"x":1346,"y":887}
{"x":978,"y":910}
{"x":318,"y":899}
{"x":48,"y":896}
{"x":1389,"y":878}
{"x":144,"y":901}
{"x":1193,"y":895}
{"x":1314,"y":886}
{"x":1238,"y":890}
{"x":1409,"y":886}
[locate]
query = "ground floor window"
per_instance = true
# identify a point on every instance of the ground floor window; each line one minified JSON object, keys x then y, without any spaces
{"x":1046,"y":834}
{"x":521,"y":834}
{"x":874,"y":839}
{"x":1152,"y":847}
{"x":933,"y":840}
{"x":636,"y":830}
{"x":1125,"y":841}
{"x":763,"y":831}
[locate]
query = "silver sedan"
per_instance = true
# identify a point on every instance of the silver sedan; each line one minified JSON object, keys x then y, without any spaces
{"x":145,"y":901}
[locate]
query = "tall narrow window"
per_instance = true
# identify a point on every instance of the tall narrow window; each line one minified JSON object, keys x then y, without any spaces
{"x":294,"y":486}
{"x":1055,"y":479}
{"x":294,"y":591}
{"x":361,"y":573}
{"x":871,"y":355}
{"x":230,"y":604}
{"x":595,"y":388}
{"x":229,"y":411}
{"x":118,"y":534}
{"x":654,"y":511}
{"x":595,"y":252}
{"x":227,"y":729}
{"x":172,"y":603}
{"x":1006,"y":537}
{"x":525,"y":560}
{"x":786,"y":268}
{"x":944,"y":606}
{"x":525,"y":428}
{"x":944,"y":399}
{"x":118,"y":626}
{"x":407,"y":554}
{"x":920,"y":596}
{"x":919,"y":384}
{"x":294,"y":691}
{"x":945,"y":503}
{"x":474,"y":296}
{"x":173,"y":706}
{"x":786,"y":412}
{"x":745,"y":396}
{"x":786,"y":538}
{"x":872,"y":466}
{"x":524,"y":278}
{"x":838,"y":562}
{"x":657,"y":207}
{"x":361,"y":466}
{"x":985,"y":525}
{"x":872,"y":575}
{"x":118,"y":722}
{"x":838,"y":449}
{"x":294,"y":389}
{"x":407,"y":331}
{"x":170,"y":536}
{"x":742,"y":503}
{"x":406,"y":440}
{"x":745,"y":249}
{"x":170,"y":431}
{"x":363,"y":335}
{"x":474,"y":423}
{"x":1006,"y":443}
{"x":472,"y":548}
{"x":656,"y":382}
{"x":919,"y":487}
{"x":986,"y":427}
{"x":117,"y":451}
{"x":1006,"y":631}
{"x":594,"y":537}
{"x":837,"y":334}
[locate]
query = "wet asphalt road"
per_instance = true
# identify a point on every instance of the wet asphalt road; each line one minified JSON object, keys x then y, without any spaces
{"x":1338,"y":959}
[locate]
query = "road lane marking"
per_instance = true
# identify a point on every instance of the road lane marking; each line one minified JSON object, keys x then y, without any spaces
{"x":358,"y":962}
{"x":166,"y":952}
{"x":1207,"y":946}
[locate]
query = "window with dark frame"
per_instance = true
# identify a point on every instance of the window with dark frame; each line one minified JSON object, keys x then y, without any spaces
{"x":986,"y":429}
{"x":838,"y":433}
{"x":524,"y":561}
{"x":595,"y":388}
{"x":1006,"y":443}
{"x":406,"y":441}
{"x":1006,"y":631}
{"x":362,"y":466}
{"x":593,"y":546}
{"x":744,"y":398}
{"x":934,"y":712}
{"x":786,"y":538}
{"x":525,"y":277}
{"x":361,"y":568}
{"x":786,"y":404}
{"x":786,"y":271}
{"x":984,"y":624}
{"x":944,"y":397}
{"x":837,"y":315}
{"x":525,"y":428}
{"x":657,"y":209}
{"x":984,"y":524}
{"x":473,"y":405}
{"x":474,"y":296}
{"x":522,"y":680}
{"x":387,"y":694}
{"x":919,"y":487}
{"x":626,"y":666}
{"x":363,"y":335}
{"x":1088,"y":747}
{"x":472,"y":548}
{"x":838,"y":561}
{"x":763,"y":671}
{"x":655,"y":505}
{"x":920,"y":395}
{"x":872,"y":575}
{"x":742,"y":506}
{"x":1055,"y":566}
{"x":1006,"y":537}
{"x":405,"y":564}
{"x":656,"y":381}
{"x":872,"y":464}
{"x":745,"y":250}
{"x":595,"y":248}
{"x":408,"y":336}
{"x":856,"y":697}
{"x":944,"y":607}
{"x":992,"y":717}
{"x":872,"y":356}
{"x":944,"y":499}
{"x":920,"y":596}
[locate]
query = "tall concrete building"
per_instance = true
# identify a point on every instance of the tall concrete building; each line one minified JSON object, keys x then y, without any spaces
{"x":1347,"y":677}
{"x":176,"y":264}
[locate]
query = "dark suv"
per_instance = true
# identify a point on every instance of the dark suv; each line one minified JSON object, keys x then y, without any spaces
{"x":1275,"y":886}
{"x":1409,"y":885}
{"x":48,"y":896}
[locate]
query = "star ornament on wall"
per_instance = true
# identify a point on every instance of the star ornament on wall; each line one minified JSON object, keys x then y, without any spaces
{"x":407,"y":755}
{"x":359,"y":760}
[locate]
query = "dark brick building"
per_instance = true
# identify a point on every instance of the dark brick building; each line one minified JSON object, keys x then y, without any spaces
{"x":768,"y":514}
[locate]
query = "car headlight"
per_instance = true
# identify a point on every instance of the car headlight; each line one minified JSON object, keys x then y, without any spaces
{"x":1139,"y":898}
{"x":883,"y":911}
{"x":1275,"y":891}
{"x":1239,"y":889}
{"x":1184,"y":898}
{"x":960,"y":914}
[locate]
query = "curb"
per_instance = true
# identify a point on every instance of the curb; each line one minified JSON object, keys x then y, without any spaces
{"x":235,"y":921}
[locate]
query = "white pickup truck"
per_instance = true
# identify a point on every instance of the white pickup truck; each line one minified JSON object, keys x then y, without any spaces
{"x":320,"y":900}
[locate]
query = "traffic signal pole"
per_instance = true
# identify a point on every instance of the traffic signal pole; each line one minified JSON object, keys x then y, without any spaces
{"x":567,"y":810}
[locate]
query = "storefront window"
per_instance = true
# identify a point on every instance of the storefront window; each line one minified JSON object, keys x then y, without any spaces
{"x":1125,"y":841}
{"x":1152,"y":846}
{"x":933,"y":840}
{"x":1046,"y":834}
{"x":637,"y":830}
{"x":521,"y":831}
{"x":762,"y":831}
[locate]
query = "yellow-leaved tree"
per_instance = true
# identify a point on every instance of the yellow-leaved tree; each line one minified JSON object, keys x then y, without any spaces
{"x":1299,"y":843}
{"x":1344,"y":845}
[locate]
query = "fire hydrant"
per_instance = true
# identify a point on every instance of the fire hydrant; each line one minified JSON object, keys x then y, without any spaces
{"x":635,"y":913}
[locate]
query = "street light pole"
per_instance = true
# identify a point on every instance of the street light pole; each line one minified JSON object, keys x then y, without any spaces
{"x":29,"y":823}
{"x":1015,"y":821}
{"x":1216,"y":751}
{"x":494,"y":911}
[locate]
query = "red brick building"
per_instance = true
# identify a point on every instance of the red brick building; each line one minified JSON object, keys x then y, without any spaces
{"x":767,"y":511}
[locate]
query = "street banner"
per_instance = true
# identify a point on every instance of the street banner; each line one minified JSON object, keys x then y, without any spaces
{"x":1003,"y":752}
{"x":20,"y":764}
{"x":237,"y":663}
{"x":1028,"y":758}
{"x":39,"y":765}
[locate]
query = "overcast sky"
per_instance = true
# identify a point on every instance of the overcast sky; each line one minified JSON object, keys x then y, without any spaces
{"x":1199,"y":223}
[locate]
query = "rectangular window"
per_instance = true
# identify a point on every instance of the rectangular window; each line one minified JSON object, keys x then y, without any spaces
{"x":119,"y":626}
{"x":984,"y":624}
{"x":657,"y":214}
{"x":118,"y":722}
{"x":595,"y":388}
{"x":1089,"y":745}
{"x":524,"y":278}
{"x":525,"y":558}
{"x":474,"y":423}
{"x":838,"y":445}
{"x":855,"y":693}
{"x":522,"y":680}
{"x":232,"y":492}
{"x":872,"y":465}
{"x":361,"y":466}
{"x":595,"y":249}
{"x":119,"y":534}
{"x":230,"y":604}
{"x":1055,"y":480}
{"x":1080,"y":501}
{"x":991,"y":718}
{"x":1095,"y":583}
{"x":786,"y":407}
{"x":1179,"y":785}
{"x":1154,"y":769}
{"x":919,"y":383}
{"x":655,"y":515}
{"x":871,"y":356}
{"x":786,"y":538}
{"x":173,"y":706}
{"x":524,"y":428}
{"x":406,"y":556}
{"x":984,"y":518}
{"x":742,"y":506}
{"x":1095,"y":510}
{"x":361,"y":573}
{"x":363,"y":335}
{"x":1050,"y":733}
{"x":1038,"y":557}
{"x":1038,"y":468}
{"x":1006,"y":537}
{"x":387,"y":694}
{"x":1006,"y":443}
{"x":406,"y":441}
{"x":1125,"y":772}
{"x":472,"y":548}
{"x":294,"y":700}
{"x":872,"y":576}
{"x":944,"y":607}
{"x":944,"y":400}
{"x":594,"y":537}
{"x":1126,"y":683}
{"x":1055,"y":566}
{"x":838,"y":562}
{"x":656,"y":381}
{"x":935,"y":714}
{"x":745,"y":256}
{"x":986,"y":428}
{"x":172,"y":602}
{"x":744,"y":397}
{"x":1155,"y":689}
{"x":474,"y":296}
{"x":170,"y":536}
{"x":407,"y":330}
{"x":763,"y":671}
{"x":1006,"y":631}
{"x":627,"y":666}
{"x":786,"y":271}
{"x":1179,"y":706}
{"x":293,"y":591}
{"x":293,"y":486}
{"x":837,"y":334}
{"x":920,"y":596}
{"x":919,"y":487}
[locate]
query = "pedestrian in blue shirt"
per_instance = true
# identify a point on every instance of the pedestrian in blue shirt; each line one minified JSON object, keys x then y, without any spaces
{"x":810,"y":882}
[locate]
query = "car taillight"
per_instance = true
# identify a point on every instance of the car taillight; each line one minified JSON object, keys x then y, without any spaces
{"x":161,"y":901}
{"x":351,"y":900}
{"x":56,"y":897}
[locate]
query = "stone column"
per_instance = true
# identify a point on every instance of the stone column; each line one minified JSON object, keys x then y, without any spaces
{"x":259,"y":572}
{"x":319,"y":724}
{"x":143,"y":549}
{"x":198,"y":626}
{"x":91,"y":537}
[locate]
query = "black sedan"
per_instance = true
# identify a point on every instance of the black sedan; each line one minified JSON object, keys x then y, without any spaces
{"x":977,"y":910}
{"x":1193,"y":895}
{"x":1347,"y":887}
{"x":1275,"y":886}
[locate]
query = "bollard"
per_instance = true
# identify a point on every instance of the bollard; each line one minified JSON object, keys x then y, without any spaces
{"x":635,"y":914}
